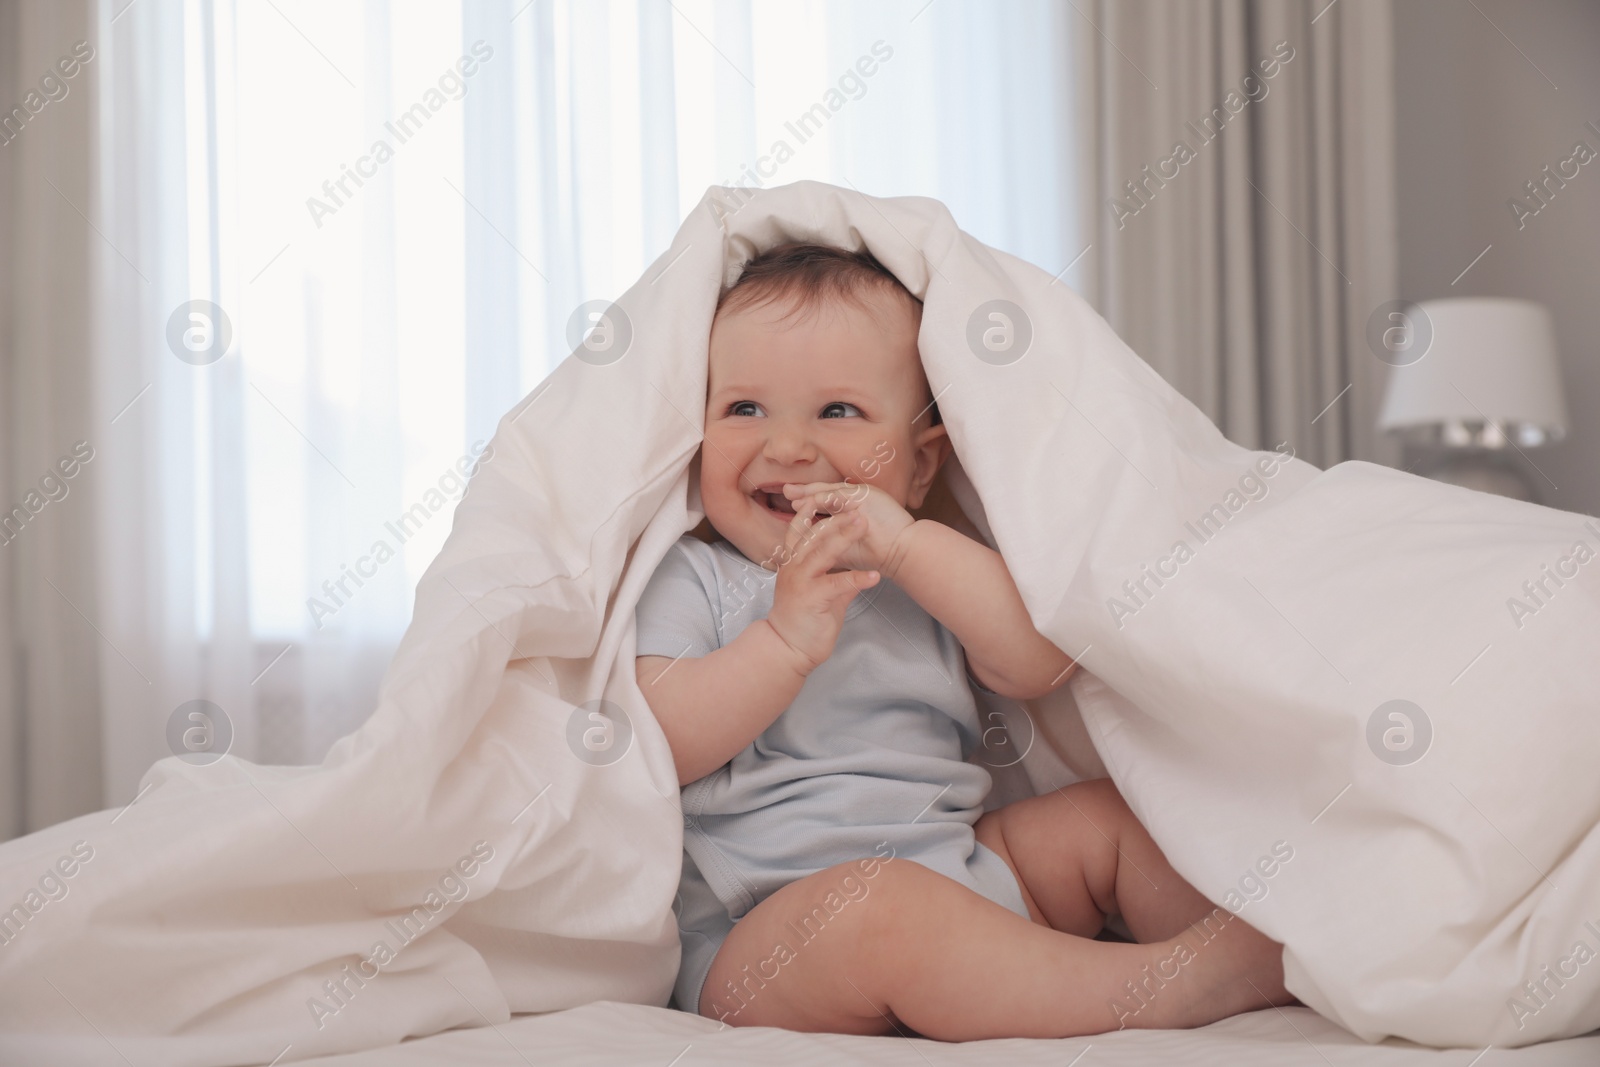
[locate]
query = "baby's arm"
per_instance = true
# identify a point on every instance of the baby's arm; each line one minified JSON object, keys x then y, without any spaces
{"x":712,"y":706}
{"x":966,"y":586}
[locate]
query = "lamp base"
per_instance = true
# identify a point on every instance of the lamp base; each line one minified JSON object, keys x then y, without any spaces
{"x":1488,"y":471}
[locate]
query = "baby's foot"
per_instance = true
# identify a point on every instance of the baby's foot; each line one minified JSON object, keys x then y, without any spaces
{"x":1233,"y":968}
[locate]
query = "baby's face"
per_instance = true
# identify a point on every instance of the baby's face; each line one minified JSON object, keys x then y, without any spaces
{"x":831,"y":395}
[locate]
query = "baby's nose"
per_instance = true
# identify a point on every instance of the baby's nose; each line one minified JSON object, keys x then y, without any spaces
{"x":790,"y":444}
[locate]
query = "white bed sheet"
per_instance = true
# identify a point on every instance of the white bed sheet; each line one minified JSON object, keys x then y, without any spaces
{"x":609,"y":1032}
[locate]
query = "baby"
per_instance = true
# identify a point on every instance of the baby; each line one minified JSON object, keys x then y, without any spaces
{"x":810,"y":671}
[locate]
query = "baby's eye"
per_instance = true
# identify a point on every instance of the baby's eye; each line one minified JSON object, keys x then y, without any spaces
{"x":735,"y":407}
{"x":839,"y":404}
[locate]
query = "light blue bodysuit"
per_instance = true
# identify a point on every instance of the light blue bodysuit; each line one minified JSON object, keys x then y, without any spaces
{"x":870,"y":757}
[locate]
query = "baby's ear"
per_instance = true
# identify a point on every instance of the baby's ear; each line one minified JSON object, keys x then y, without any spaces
{"x":930,"y":448}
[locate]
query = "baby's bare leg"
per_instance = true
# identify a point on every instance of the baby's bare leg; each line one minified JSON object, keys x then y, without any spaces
{"x":911,"y":949}
{"x":1080,"y":855}
{"x":906,"y":948}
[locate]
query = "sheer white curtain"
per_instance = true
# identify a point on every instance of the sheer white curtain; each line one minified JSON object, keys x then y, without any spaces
{"x":398,"y":208}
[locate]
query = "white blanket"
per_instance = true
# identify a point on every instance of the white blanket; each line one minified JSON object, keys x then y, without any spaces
{"x":242,"y":908}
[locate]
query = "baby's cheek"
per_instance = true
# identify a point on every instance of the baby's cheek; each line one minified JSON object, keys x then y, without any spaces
{"x":715,"y":467}
{"x":892,"y":477}
{"x":883,"y":457}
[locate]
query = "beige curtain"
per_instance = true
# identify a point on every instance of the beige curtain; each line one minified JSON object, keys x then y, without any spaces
{"x":50,"y":750}
{"x":1238,"y":157}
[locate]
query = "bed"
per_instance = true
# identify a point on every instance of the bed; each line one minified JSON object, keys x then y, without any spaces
{"x":607,"y":1032}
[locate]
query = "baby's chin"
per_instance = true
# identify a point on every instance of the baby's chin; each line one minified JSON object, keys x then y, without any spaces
{"x":754,"y":548}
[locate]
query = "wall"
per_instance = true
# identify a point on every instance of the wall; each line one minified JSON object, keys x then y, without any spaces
{"x":1476,"y":119}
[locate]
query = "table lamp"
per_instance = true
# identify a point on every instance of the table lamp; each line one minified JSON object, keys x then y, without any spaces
{"x":1475,"y":380}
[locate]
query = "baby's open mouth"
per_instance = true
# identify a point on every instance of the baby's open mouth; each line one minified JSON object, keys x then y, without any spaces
{"x":777,"y":505}
{"x":774,"y":501}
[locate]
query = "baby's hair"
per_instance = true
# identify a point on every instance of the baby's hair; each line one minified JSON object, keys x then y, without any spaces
{"x":811,"y":275}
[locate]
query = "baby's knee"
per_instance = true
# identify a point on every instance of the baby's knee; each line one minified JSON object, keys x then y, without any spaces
{"x":1096,"y":799}
{"x":1093,"y":808}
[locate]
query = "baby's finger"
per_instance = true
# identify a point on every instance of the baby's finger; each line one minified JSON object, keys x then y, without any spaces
{"x":830,"y":497}
{"x":798,"y":489}
{"x":804,"y":530}
{"x":804,"y":526}
{"x":802,"y":536}
{"x":848,"y":583}
{"x":801,"y":529}
{"x":833,"y":538}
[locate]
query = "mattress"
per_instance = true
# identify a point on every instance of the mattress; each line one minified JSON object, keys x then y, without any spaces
{"x":608,"y":1032}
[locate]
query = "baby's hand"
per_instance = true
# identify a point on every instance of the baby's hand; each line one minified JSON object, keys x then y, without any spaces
{"x":808,"y":603}
{"x":884,"y":518}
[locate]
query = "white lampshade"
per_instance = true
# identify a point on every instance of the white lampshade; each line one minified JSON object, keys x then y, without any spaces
{"x":1490,"y":360}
